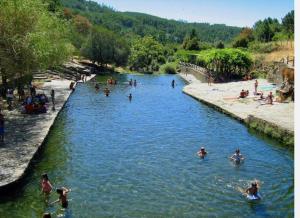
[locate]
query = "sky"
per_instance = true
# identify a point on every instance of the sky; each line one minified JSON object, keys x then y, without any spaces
{"x":230,"y":12}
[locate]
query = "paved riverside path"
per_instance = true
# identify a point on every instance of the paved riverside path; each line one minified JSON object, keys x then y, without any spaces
{"x":25,"y":133}
{"x":225,"y":96}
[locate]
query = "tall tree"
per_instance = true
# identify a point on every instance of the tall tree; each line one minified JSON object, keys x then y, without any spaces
{"x":266,"y":29}
{"x":105,"y":47}
{"x":30,"y":38}
{"x":243,"y":38}
{"x":288,"y":23}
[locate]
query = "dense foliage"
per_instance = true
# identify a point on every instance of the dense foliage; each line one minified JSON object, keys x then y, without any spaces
{"x":134,"y":24}
{"x":225,"y":64}
{"x":147,"y":55}
{"x":243,"y":39}
{"x":104,"y":47}
{"x":288,"y":24}
{"x":30,"y":38}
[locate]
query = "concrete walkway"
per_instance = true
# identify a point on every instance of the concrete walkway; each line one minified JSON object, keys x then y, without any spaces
{"x":24,"y":133}
{"x":225,"y":97}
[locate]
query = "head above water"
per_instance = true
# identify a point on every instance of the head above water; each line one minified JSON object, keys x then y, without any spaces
{"x":202,"y":148}
{"x":60,"y":191}
{"x":237,"y":151}
{"x":254,"y":184}
{"x":45,"y":176}
{"x":47,"y":215}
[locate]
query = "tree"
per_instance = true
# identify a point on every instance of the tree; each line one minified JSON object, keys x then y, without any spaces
{"x":146,"y":54}
{"x":82,"y":24}
{"x":54,"y":5}
{"x":266,"y":29}
{"x":191,"y":42}
{"x":226,"y":64}
{"x":30,"y":38}
{"x":288,"y":23}
{"x":243,"y":39}
{"x":104,"y":47}
{"x":220,"y":45}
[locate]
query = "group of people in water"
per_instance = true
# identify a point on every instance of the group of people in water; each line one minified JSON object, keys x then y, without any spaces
{"x":112,"y":81}
{"x":47,"y":190}
{"x":237,"y":158}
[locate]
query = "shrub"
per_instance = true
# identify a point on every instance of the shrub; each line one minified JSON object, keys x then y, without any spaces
{"x":263,"y":47}
{"x":170,"y":69}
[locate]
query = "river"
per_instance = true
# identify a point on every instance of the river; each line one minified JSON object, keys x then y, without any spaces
{"x":138,"y":158}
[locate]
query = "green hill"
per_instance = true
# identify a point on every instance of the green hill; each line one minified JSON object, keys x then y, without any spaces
{"x":133,"y":23}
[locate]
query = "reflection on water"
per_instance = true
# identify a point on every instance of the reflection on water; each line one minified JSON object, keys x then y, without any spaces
{"x":138,"y":158}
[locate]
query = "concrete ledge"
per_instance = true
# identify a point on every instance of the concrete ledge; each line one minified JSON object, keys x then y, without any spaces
{"x":275,"y":121}
{"x":26,"y":134}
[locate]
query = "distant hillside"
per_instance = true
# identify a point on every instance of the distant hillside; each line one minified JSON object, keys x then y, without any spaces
{"x":164,"y":30}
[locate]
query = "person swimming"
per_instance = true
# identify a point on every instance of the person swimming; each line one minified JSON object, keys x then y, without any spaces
{"x":46,"y":185}
{"x":130,"y":82}
{"x":173,"y":83}
{"x":134,"y":83}
{"x":106,"y":92}
{"x":130,"y":97}
{"x":253,"y":190}
{"x":47,"y":215}
{"x":237,"y":156}
{"x":202,"y":153}
{"x":97,"y":86}
{"x":62,"y":196}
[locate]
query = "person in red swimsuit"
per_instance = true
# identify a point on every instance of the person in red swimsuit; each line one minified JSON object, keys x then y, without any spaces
{"x":46,"y":185}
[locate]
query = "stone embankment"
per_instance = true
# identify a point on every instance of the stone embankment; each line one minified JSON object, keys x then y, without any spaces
{"x":25,"y":133}
{"x":275,"y":120}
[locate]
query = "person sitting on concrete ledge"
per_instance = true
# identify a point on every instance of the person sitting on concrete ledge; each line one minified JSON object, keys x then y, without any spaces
{"x":262,"y":96}
{"x":243,"y":94}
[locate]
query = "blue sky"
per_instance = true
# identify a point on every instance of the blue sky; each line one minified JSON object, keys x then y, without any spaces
{"x":230,"y":12}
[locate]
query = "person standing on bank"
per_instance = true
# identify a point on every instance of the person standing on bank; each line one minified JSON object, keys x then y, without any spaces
{"x":255,"y":87}
{"x":1,"y":127}
{"x":53,"y":98}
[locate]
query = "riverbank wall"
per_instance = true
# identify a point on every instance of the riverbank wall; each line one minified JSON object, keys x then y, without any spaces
{"x":275,"y":121}
{"x":25,"y":134}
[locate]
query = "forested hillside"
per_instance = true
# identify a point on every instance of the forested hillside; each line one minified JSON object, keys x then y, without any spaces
{"x":163,"y":30}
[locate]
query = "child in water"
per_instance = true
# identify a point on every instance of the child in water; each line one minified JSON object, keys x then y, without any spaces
{"x":237,"y":156}
{"x":46,"y":185}
{"x":62,"y":196}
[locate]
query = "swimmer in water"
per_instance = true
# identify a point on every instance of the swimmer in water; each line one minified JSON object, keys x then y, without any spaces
{"x":134,"y":83}
{"x":202,"y":153}
{"x":130,"y":82}
{"x":130,"y":97}
{"x":173,"y":83}
{"x":47,"y":215}
{"x":237,"y":156}
{"x":46,"y":185}
{"x":253,"y":190}
{"x":97,"y":86}
{"x":106,"y":92}
{"x":62,"y":196}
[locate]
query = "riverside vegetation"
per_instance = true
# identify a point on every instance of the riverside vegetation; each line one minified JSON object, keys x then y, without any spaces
{"x":45,"y":33}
